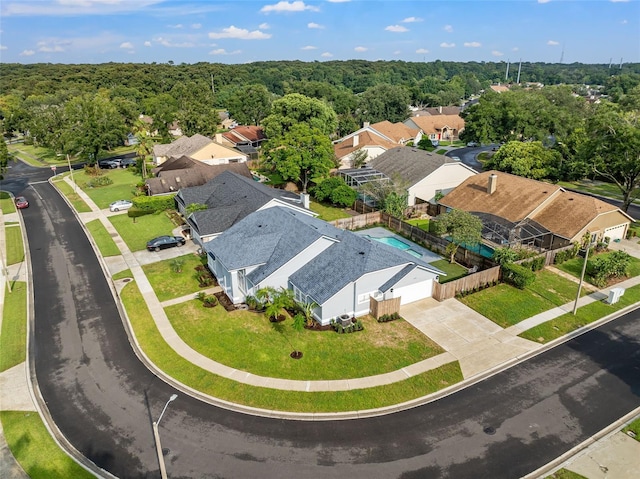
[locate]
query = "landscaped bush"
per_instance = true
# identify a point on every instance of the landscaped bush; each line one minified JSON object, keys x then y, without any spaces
{"x":203,"y":276}
{"x":99,"y":181}
{"x":517,"y":275}
{"x":208,"y":300}
{"x":154,"y":203}
{"x":388,"y":317}
{"x":134,"y":212}
{"x":566,"y":255}
{"x":536,"y":264}
{"x":350,"y":328}
{"x":343,"y":196}
{"x":603,"y":268}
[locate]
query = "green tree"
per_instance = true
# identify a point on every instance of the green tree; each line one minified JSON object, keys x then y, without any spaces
{"x":343,"y":195}
{"x":249,"y":104}
{"x":461,"y":227}
{"x":359,"y":158}
{"x":613,"y":149}
{"x":384,"y":102}
{"x":390,"y":196}
{"x":196,"y":113}
{"x":4,"y":158}
{"x":528,"y":159}
{"x":92,"y":125}
{"x":163,"y":108}
{"x":293,"y":109}
{"x":302,"y":153}
{"x":322,"y":190}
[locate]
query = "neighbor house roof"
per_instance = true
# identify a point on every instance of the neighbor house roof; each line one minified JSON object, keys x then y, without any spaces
{"x":361,"y":140}
{"x":244,"y":134}
{"x":183,"y":146}
{"x":435,"y":123}
{"x":231,"y":197}
{"x":398,"y":132}
{"x":408,"y":163}
{"x":437,"y":110}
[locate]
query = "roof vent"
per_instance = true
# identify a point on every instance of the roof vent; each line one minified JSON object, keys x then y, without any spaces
{"x":493,"y":183}
{"x":361,"y":252}
{"x":570,"y":199}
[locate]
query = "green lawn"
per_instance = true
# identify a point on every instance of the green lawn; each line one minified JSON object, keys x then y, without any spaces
{"x":176,"y":366}
{"x":74,"y":198}
{"x":635,"y":428}
{"x":596,"y":187}
{"x":422,"y":224}
{"x":13,"y":337}
{"x":574,"y":266}
{"x":565,"y":474}
{"x":168,"y":284}
{"x":36,"y":156}
{"x":35,"y":450}
{"x":122,"y":188}
{"x":248,"y":341}
{"x":506,"y":305}
{"x":103,"y":239}
{"x":566,"y":323}
{"x":136,"y":234}
{"x":6,"y":203}
{"x":328,"y":212}
{"x":15,"y":247}
{"x":122,"y":274}
{"x":454,"y":271}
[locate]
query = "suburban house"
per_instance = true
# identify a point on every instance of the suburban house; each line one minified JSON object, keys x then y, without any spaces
{"x":517,"y":211}
{"x":174,"y":129}
{"x":425,"y":175}
{"x":199,"y":148}
{"x":436,"y":110}
{"x":184,"y":172}
{"x":243,"y":135}
{"x":336,"y":269}
{"x":229,"y":197}
{"x":374,"y":139}
{"x":438,"y":127}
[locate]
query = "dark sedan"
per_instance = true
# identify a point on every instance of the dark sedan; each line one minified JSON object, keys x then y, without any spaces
{"x":163,"y":242}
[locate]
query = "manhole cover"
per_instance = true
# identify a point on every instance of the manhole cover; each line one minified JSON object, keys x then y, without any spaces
{"x":489,"y":430}
{"x":165,"y":451}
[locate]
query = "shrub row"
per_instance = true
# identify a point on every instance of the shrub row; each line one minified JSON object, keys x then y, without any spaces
{"x":154,"y":203}
{"x":351,"y":328}
{"x":517,"y":275}
{"x":603,"y":268}
{"x":466,"y":292}
{"x":566,"y":255}
{"x":536,"y":264}
{"x":388,"y":317}
{"x":99,"y":181}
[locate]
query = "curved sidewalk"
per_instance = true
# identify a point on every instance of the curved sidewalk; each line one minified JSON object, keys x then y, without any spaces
{"x":480,"y":354}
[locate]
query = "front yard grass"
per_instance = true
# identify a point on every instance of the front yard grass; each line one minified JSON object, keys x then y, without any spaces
{"x":574,"y":266}
{"x":15,"y":247}
{"x":565,"y":474}
{"x":137,"y":231}
{"x":454,"y":271}
{"x":74,"y":198}
{"x":13,"y":337}
{"x":6,"y":203}
{"x":247,"y":341}
{"x":566,"y":323}
{"x":154,"y":345}
{"x":506,"y":305}
{"x":103,"y":239}
{"x":168,"y":284}
{"x":31,"y":443}
{"x":122,"y":188}
{"x":634,"y":427}
{"x":328,"y":212}
{"x":595,"y":187}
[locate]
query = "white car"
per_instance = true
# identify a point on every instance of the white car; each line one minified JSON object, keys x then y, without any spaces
{"x":120,"y":205}
{"x":457,"y":158}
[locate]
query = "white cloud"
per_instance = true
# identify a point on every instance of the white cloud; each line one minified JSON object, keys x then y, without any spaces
{"x":176,"y":26}
{"x":166,"y":42}
{"x":239,"y":33}
{"x":74,"y":7}
{"x":447,"y":45}
{"x":448,"y":28}
{"x":296,"y":6}
{"x":515,"y":49}
{"x":624,"y":22}
{"x":472,"y":44}
{"x":397,"y":52}
{"x":361,"y":49}
{"x":222,"y":51}
{"x":396,"y":29}
{"x":196,"y":26}
{"x":327,"y":55}
{"x":544,"y":1}
{"x":127,"y":45}
{"x":412,"y":20}
{"x":147,"y":43}
{"x":27,"y":53}
{"x":422,"y":51}
{"x":2,"y":47}
{"x":553,"y":43}
{"x":264,"y":26}
{"x":496,"y":53}
{"x":309,"y":47}
{"x":53,"y":46}
{"x":315,"y":25}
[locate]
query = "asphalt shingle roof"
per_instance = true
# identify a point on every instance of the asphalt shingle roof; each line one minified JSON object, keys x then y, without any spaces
{"x":408,"y":163}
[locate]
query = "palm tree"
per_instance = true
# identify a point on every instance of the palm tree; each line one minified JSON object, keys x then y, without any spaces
{"x":307,"y":311}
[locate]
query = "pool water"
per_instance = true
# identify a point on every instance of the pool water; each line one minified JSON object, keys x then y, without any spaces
{"x":396,"y":243}
{"x":481,"y":249}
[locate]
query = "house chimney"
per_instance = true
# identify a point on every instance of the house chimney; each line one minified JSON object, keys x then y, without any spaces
{"x":366,"y":124}
{"x":356,"y":140}
{"x":304,"y":198}
{"x":493,"y":183}
{"x":440,"y":110}
{"x":219,"y":138}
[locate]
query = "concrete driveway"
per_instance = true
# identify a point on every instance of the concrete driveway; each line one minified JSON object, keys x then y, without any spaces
{"x":476,"y":342}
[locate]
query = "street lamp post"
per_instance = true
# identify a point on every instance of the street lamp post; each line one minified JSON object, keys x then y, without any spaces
{"x":156,"y":435}
{"x":70,"y":170}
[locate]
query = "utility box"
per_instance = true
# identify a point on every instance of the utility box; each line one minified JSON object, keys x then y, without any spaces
{"x":614,"y":295}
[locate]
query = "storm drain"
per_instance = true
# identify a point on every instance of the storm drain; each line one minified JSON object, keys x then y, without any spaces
{"x":489,"y":430}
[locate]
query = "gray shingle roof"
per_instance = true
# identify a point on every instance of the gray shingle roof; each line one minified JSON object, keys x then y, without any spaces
{"x":182,"y":146}
{"x":408,"y":163}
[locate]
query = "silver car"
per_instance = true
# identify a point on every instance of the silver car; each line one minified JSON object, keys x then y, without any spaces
{"x":120,"y":205}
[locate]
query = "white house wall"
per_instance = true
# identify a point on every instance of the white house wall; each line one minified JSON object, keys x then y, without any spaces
{"x":372,"y":151}
{"x":444,"y":179}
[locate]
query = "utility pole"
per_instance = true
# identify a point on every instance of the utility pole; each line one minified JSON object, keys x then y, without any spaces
{"x":519,"y":69}
{"x":506,"y":75}
{"x":213,"y":88}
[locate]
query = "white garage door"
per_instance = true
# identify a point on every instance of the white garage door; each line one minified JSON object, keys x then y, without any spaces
{"x":414,"y":292}
{"x":616,"y":232}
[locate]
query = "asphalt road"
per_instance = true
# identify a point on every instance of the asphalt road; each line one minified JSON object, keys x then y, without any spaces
{"x":104,"y":399}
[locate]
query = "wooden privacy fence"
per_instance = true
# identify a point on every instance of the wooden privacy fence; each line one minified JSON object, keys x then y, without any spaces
{"x":384,"y":306}
{"x":467,"y":283}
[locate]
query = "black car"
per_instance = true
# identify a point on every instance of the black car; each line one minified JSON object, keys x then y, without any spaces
{"x":163,"y":242}
{"x":127,"y":162}
{"x":109,"y":163}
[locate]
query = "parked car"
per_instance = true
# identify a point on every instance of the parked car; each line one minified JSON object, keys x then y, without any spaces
{"x":127,"y":162}
{"x":120,"y":205}
{"x":108,"y":164}
{"x":21,"y":202}
{"x":163,"y":242}
{"x":457,"y":158}
{"x":472,"y":144}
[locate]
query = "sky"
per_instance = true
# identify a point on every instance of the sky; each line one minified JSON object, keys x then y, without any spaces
{"x":243,"y":31}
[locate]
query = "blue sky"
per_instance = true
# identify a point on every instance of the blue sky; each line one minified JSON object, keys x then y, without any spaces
{"x":241,"y":31}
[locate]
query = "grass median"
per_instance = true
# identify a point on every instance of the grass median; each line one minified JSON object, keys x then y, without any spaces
{"x":13,"y":337}
{"x":103,"y":239}
{"x":165,"y":358}
{"x":74,"y":198}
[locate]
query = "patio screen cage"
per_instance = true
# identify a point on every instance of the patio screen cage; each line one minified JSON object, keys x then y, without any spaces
{"x":503,"y":232}
{"x":356,"y":177}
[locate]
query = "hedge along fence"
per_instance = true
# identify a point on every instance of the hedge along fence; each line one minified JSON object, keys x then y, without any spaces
{"x":154,"y":203}
{"x":471,"y":282}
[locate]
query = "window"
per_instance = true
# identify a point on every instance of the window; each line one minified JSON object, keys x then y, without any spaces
{"x":363,"y":298}
{"x":242,"y":280}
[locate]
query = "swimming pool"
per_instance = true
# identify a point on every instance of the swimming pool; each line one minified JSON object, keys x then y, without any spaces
{"x":481,"y":249}
{"x":396,"y":243}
